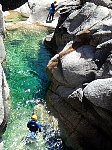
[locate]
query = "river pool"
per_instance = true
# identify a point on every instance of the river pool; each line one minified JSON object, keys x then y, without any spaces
{"x":25,"y":69}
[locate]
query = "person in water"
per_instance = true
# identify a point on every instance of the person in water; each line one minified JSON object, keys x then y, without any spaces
{"x":34,"y":126}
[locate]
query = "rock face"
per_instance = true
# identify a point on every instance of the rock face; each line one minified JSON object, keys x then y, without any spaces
{"x":39,"y":10}
{"x":11,"y":4}
{"x":80,"y":95}
{"x":99,"y":92}
{"x":4,"y":90}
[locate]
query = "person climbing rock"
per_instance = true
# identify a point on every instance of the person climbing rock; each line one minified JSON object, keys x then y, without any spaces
{"x":34,"y":127}
{"x":51,"y":11}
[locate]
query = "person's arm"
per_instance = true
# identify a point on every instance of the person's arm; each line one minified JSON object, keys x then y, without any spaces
{"x":39,"y":127}
{"x":55,"y":8}
{"x":28,"y":124}
{"x":55,"y":5}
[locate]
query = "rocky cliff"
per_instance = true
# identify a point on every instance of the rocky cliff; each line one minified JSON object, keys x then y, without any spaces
{"x":11,"y":4}
{"x":4,"y":90}
{"x":80,"y":95}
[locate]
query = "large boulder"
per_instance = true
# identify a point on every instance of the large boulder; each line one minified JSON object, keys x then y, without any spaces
{"x":11,"y":4}
{"x":99,"y":92}
{"x":4,"y":90}
{"x":106,"y":3}
{"x":1,"y":144}
{"x":89,"y":25}
{"x":75,"y":67}
{"x":37,"y":7}
{"x":2,"y":27}
{"x":81,"y":71}
{"x":2,"y":30}
{"x":4,"y":96}
{"x":24,"y":10}
{"x":2,"y":50}
{"x":80,"y":121}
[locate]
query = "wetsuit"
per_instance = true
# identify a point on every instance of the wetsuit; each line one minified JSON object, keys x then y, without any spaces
{"x":34,"y":126}
{"x":51,"y":12}
{"x":53,"y":6}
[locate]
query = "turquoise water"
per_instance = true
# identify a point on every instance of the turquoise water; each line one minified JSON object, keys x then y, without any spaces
{"x":26,"y":65}
{"x":25,"y":68}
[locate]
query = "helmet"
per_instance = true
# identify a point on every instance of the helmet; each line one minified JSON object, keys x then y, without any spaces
{"x":34,"y":117}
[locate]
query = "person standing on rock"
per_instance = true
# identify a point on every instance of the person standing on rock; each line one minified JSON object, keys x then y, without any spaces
{"x":53,"y":5}
{"x":52,"y":11}
{"x":50,"y":15}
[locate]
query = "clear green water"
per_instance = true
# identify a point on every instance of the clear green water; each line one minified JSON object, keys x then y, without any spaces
{"x":25,"y":69}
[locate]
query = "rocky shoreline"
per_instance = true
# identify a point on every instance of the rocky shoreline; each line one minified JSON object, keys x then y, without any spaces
{"x":81,"y":91}
{"x":81,"y":72}
{"x":4,"y":89}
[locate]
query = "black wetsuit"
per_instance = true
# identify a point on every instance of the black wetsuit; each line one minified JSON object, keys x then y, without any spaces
{"x":34,"y":126}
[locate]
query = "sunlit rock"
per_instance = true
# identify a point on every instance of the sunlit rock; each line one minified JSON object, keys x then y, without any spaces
{"x":106,"y":3}
{"x":2,"y":50}
{"x":24,"y":10}
{"x":75,"y":67}
{"x":1,"y":96}
{"x":1,"y":145}
{"x":2,"y":27}
{"x":81,"y":71}
{"x":4,"y":90}
{"x":11,"y":4}
{"x":99,"y":92}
